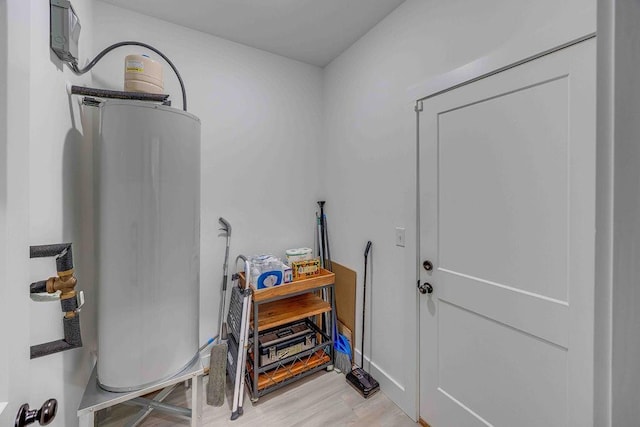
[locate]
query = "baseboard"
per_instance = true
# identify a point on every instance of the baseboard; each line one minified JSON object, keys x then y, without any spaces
{"x":376,"y":371}
{"x":392,"y":388}
{"x":423,"y":422}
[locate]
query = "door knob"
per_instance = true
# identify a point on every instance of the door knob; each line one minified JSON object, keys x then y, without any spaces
{"x":425,"y":288}
{"x":44,"y":415}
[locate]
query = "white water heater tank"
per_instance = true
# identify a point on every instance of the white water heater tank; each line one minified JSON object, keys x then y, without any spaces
{"x":147,"y":160}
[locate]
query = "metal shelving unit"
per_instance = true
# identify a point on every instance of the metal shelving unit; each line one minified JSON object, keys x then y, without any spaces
{"x":284,"y":304}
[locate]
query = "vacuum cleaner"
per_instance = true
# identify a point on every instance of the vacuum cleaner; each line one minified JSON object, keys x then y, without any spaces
{"x":358,"y":378}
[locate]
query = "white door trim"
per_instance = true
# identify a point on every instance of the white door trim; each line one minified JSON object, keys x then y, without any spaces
{"x":4,"y":319}
{"x":480,"y":69}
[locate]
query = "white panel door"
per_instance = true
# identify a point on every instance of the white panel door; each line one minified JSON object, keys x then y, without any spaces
{"x":507,"y":218}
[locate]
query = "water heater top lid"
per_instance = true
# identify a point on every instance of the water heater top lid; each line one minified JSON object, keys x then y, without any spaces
{"x":130,"y":102}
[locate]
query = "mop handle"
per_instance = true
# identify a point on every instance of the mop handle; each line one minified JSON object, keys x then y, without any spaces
{"x":326,"y":236}
{"x":227,"y":228}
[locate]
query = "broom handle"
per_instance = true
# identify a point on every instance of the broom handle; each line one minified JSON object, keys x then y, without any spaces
{"x":364,"y":301}
{"x":319,"y":234}
{"x":322,"y":235}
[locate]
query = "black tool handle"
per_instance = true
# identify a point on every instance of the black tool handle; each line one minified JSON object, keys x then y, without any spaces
{"x":364,"y":302}
{"x":323,"y":240}
{"x":367,"y":249}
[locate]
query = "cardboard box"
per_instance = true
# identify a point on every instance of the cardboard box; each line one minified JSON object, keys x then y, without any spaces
{"x":304,"y":269}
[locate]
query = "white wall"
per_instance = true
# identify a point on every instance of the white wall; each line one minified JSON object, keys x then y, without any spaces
{"x":369,"y":147}
{"x":249,"y":101}
{"x":44,"y":137}
{"x":261,"y":120}
{"x":17,"y":162}
{"x":59,"y":208}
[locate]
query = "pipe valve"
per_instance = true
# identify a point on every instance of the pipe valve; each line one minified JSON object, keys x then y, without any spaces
{"x":70,"y":300}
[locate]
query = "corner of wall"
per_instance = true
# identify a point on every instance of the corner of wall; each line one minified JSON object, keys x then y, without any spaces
{"x":604,"y":214}
{"x":4,"y":367}
{"x":625,"y":298}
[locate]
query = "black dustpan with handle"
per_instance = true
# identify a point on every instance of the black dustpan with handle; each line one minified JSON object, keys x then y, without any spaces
{"x":358,"y":378}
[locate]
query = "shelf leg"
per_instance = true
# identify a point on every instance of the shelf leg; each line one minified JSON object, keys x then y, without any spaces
{"x":334,"y":322}
{"x":88,"y":419}
{"x":256,"y":357}
{"x":196,"y":401}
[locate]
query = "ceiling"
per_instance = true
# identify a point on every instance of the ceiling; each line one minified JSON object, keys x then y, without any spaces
{"x":311,"y":31}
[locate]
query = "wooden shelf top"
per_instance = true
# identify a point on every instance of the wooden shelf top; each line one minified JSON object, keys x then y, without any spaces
{"x":324,"y":278}
{"x":280,"y":312}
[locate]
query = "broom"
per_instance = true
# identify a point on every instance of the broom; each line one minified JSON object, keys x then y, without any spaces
{"x":342,"y":349}
{"x":218,"y":359}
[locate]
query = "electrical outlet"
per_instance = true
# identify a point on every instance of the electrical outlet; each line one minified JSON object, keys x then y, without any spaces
{"x":400,"y":237}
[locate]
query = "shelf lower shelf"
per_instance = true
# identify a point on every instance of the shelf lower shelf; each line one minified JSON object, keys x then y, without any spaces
{"x":290,"y":370}
{"x":280,"y":312}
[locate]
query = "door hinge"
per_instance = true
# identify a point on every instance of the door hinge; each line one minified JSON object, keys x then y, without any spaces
{"x":419,"y":107}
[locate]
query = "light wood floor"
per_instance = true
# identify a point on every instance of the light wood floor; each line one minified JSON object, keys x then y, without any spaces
{"x":322,"y":399}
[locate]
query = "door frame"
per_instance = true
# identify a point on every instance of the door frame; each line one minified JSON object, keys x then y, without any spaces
{"x":470,"y":73}
{"x":15,"y":181}
{"x":4,"y":366}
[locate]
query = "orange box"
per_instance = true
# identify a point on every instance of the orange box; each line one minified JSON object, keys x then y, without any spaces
{"x":306,"y":268}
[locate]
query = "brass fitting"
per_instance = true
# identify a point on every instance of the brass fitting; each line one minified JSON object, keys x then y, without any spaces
{"x":65,"y":283}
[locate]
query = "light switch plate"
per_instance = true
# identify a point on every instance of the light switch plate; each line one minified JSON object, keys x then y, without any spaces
{"x":400,"y":237}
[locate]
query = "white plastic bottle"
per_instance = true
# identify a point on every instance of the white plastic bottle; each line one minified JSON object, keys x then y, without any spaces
{"x":142,"y":74}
